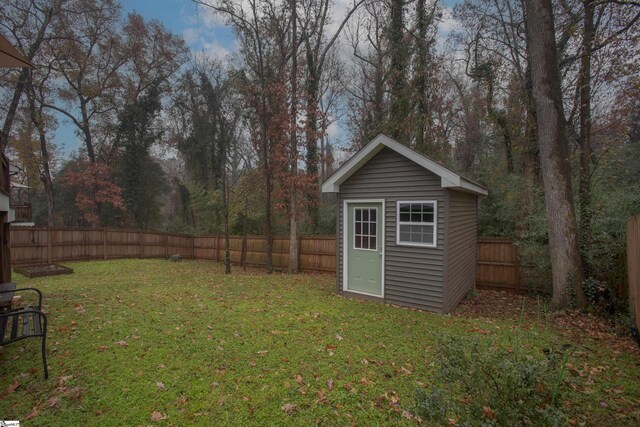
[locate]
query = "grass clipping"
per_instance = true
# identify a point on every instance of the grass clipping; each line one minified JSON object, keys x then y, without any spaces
{"x":512,"y":380}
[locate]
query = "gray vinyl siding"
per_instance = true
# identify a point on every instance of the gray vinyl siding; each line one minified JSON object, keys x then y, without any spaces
{"x":413,"y":275}
{"x":461,"y":246}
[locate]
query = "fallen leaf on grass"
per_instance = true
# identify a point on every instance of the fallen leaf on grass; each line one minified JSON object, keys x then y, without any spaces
{"x":489,"y":413}
{"x":52,"y":402}
{"x":160,"y":385}
{"x":102,"y":348}
{"x":158,"y":416}
{"x":34,"y":413}
{"x":339,"y":338}
{"x":406,"y":414}
{"x":64,"y":379}
{"x":122,"y":343}
{"x":80,"y":308}
{"x":7,"y":391}
{"x":262,"y":352}
{"x":405,"y":371}
{"x":330,"y":384}
{"x":299,"y":379}
{"x":289,"y":408}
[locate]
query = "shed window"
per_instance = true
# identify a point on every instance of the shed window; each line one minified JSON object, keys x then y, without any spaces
{"x":365,"y":229}
{"x":417,"y":223}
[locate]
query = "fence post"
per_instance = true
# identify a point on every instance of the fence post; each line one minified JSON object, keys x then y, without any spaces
{"x":140,"y":247}
{"x":104,"y":243}
{"x":49,"y":255}
{"x":243,"y":250}
{"x":165,"y":238}
{"x":299,"y":237}
{"x":217,"y":239}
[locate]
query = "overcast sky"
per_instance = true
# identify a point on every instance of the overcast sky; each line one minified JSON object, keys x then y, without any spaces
{"x":205,"y":34}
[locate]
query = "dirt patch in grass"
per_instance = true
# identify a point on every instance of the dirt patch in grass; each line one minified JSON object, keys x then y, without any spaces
{"x":574,"y":325}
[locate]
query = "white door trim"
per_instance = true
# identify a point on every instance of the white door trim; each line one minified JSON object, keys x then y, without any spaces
{"x":345,"y":243}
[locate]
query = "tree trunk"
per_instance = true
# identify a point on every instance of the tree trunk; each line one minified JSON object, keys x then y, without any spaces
{"x":556,"y":173}
{"x":293,"y":208}
{"x":225,"y":201}
{"x":311,"y":138}
{"x":45,"y":175}
{"x":584,"y":137}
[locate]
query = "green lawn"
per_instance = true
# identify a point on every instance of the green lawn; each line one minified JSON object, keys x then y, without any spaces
{"x":133,"y":337}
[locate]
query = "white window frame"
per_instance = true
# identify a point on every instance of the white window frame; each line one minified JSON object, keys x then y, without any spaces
{"x":368,"y":222}
{"x":434,"y":223}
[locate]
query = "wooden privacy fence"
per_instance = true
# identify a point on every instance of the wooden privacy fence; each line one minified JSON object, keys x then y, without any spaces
{"x":633,"y":267}
{"x":40,"y":245}
{"x":497,"y":266}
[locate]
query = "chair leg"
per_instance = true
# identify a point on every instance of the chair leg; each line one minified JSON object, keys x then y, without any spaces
{"x":44,"y":357}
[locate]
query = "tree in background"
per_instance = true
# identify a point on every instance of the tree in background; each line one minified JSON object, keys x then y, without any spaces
{"x":141,"y":178}
{"x":29,"y":22}
{"x":556,"y":173}
{"x":93,"y":185}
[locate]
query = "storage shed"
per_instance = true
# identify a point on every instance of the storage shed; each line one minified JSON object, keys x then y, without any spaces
{"x":406,"y":228}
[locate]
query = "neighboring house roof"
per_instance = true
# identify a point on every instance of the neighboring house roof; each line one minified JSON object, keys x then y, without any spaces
{"x":10,"y":57}
{"x":448,"y":178}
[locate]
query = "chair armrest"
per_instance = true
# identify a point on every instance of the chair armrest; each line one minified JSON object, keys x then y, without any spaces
{"x":27,"y":289}
{"x":23,"y":311}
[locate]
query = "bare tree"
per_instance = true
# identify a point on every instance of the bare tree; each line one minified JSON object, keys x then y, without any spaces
{"x":88,"y":60}
{"x":28,"y":21}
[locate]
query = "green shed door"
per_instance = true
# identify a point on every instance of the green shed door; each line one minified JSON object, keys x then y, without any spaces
{"x":364,"y":248}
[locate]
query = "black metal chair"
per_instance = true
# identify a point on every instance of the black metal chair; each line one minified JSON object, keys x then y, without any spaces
{"x":27,"y":322}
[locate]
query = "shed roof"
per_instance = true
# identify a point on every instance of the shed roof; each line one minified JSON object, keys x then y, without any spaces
{"x":448,"y":178}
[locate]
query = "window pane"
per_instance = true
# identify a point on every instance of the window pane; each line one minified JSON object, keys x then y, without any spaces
{"x":365,"y":228}
{"x":428,"y":217}
{"x":405,"y":208}
{"x":358,"y":228}
{"x":415,"y":217}
{"x":416,"y":208}
{"x":358,"y":243}
{"x":365,"y":242}
{"x":358,"y":214}
{"x":373,"y":230}
{"x":372,"y":243}
{"x":365,"y":214}
{"x":372,"y":216}
{"x":427,"y":238}
{"x":405,"y":217}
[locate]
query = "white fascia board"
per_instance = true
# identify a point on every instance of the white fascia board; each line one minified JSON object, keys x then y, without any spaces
{"x":332,"y":185}
{"x":471,"y":186}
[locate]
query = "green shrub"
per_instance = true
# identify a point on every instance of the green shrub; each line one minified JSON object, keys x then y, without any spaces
{"x":479,"y":381}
